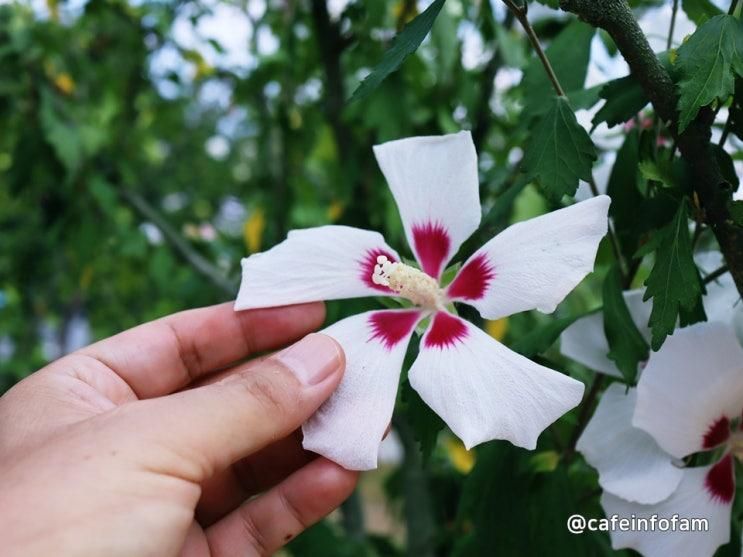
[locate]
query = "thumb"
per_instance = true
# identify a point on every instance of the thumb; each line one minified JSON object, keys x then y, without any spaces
{"x":210,"y":427}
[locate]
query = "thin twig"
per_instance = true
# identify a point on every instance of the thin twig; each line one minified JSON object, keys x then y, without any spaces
{"x":672,"y":26}
{"x":519,"y":13}
{"x":200,"y":263}
{"x":717,"y":273}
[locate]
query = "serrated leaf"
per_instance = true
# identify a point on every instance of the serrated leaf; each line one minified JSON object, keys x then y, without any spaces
{"x":568,"y":54}
{"x":624,"y":97}
{"x":406,"y":43}
{"x":706,"y":63}
{"x":560,"y":153}
{"x":673,"y":283}
{"x":627,"y":347}
{"x":700,"y":11}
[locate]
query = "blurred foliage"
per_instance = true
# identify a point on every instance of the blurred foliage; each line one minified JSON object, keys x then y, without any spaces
{"x":137,"y":168}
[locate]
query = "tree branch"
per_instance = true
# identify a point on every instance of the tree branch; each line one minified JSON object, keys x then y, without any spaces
{"x":200,"y":263}
{"x":616,"y":17}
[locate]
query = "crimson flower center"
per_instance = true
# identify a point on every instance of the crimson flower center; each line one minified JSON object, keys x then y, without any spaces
{"x":409,"y":282}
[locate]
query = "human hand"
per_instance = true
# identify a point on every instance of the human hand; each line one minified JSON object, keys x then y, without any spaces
{"x":152,"y":442}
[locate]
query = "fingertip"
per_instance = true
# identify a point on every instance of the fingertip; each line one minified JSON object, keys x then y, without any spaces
{"x":333,"y":475}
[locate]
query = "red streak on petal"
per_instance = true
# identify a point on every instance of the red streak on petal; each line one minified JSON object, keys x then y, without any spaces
{"x":717,"y":433}
{"x":391,"y":327}
{"x":367,"y":268}
{"x":445,"y":331}
{"x":720,"y":481}
{"x":432,"y":244}
{"x":473,"y":279}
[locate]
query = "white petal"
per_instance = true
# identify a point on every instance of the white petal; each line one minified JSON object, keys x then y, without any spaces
{"x":323,"y":263}
{"x":435,"y":184}
{"x":692,"y":499}
{"x":585,"y":342}
{"x":485,"y":391}
{"x":630,"y":463}
{"x":691,"y":388}
{"x":722,"y":301}
{"x":348,"y":428}
{"x":533,"y":264}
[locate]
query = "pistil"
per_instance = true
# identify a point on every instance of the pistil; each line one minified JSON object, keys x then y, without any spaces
{"x":409,"y":282}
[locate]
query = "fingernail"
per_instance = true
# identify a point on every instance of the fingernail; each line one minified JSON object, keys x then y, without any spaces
{"x":313,"y":359}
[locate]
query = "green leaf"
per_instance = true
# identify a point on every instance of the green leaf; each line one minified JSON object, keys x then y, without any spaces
{"x":425,"y":422}
{"x":406,"y":43}
{"x":494,"y":220}
{"x":706,"y":63}
{"x":674,"y":283}
{"x":584,"y":98}
{"x":627,"y":347}
{"x":658,"y":171}
{"x":700,"y":11}
{"x":624,"y":99}
{"x":727,"y":168}
{"x":494,"y":506}
{"x":560,"y":153}
{"x":736,"y":212}
{"x":541,"y":338}
{"x":625,"y":194}
{"x":568,"y":54}
{"x":62,"y":135}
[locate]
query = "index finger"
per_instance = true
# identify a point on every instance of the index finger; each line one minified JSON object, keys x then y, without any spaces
{"x":167,"y":354}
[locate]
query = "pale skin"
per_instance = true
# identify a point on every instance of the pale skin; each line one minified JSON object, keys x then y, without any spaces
{"x":153,"y":442}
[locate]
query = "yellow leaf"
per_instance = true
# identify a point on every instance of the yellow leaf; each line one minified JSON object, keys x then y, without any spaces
{"x":253,"y":230}
{"x":335,"y":210}
{"x":64,"y":83}
{"x":462,"y":459}
{"x":498,"y":328}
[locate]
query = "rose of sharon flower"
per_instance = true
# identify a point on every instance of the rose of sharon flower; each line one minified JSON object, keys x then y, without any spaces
{"x":688,"y":400}
{"x":585,"y":341}
{"x":480,"y":388}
